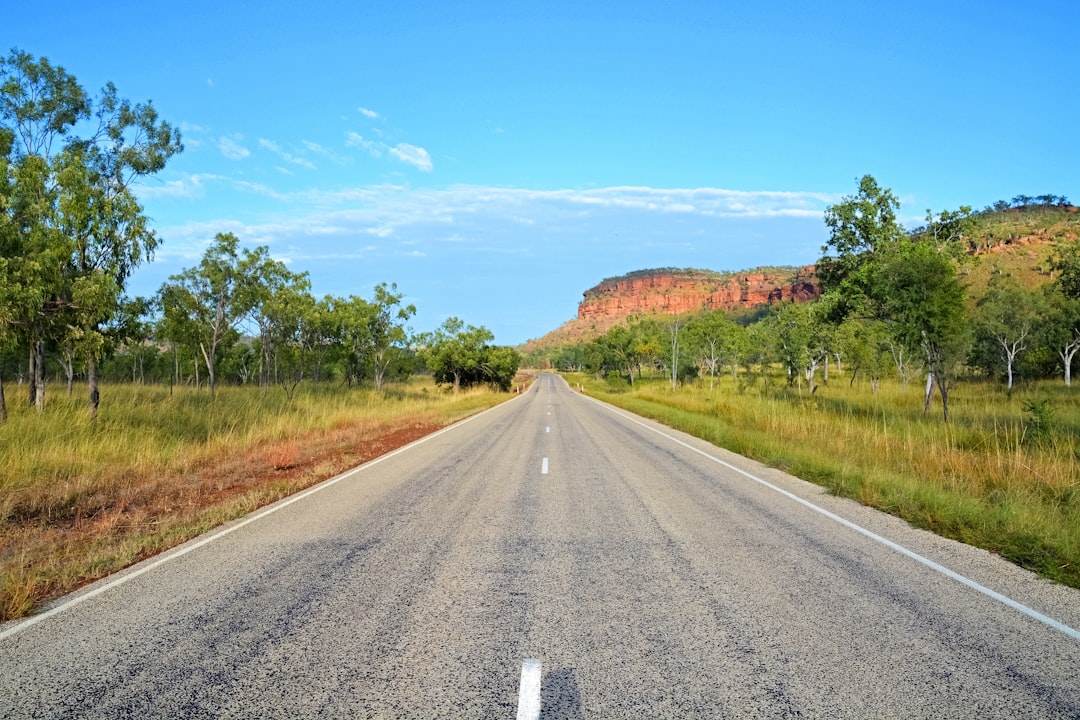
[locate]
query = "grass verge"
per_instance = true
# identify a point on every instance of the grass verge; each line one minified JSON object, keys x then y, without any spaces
{"x":1002,"y":475}
{"x":82,"y":499}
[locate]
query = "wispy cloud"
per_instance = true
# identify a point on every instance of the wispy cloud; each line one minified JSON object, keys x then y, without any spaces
{"x":231,"y":148}
{"x":286,"y":156}
{"x":186,"y":186}
{"x":413,"y":155}
{"x":389,"y":211}
{"x":317,"y":149}
{"x":371,"y":114}
{"x":418,"y":157}
{"x":356,"y":140}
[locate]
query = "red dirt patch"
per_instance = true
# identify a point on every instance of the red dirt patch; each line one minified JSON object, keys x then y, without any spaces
{"x":43,"y":558}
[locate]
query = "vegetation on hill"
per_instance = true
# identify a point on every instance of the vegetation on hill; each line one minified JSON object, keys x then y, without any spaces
{"x":693,"y":273}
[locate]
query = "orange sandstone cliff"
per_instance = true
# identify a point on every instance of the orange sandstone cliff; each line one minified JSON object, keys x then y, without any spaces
{"x":674,"y":292}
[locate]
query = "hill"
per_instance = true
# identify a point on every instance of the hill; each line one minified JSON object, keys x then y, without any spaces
{"x":1015,"y":239}
{"x":674,"y":291}
{"x":1018,"y":241}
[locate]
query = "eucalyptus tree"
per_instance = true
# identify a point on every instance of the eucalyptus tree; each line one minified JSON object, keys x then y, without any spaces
{"x":280,"y":302}
{"x":673,"y":366}
{"x":455,"y":352}
{"x":205,"y":305}
{"x":620,"y":349}
{"x":1006,"y":321}
{"x":74,"y":163}
{"x":867,"y":346}
{"x":387,"y":329}
{"x":132,"y":329}
{"x":1063,"y":327}
{"x":720,"y":342}
{"x":1061,"y":330}
{"x":875,"y":270}
{"x":352,"y":321}
{"x":801,"y":339}
{"x":924,"y":303}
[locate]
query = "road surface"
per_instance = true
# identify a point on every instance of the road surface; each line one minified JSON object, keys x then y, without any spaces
{"x":650,"y":574}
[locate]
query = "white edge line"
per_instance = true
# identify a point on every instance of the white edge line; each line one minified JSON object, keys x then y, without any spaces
{"x":1030,"y":612}
{"x":529,"y":690}
{"x":170,"y":555}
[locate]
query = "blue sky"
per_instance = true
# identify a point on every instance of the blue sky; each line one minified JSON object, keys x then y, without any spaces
{"x":496,"y":159}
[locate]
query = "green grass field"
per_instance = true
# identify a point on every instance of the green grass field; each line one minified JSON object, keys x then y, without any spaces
{"x":1003,"y":474}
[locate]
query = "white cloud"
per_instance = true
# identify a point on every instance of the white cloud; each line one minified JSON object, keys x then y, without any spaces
{"x":368,"y":113}
{"x":317,"y":149}
{"x":413,"y":155}
{"x":260,"y":189}
{"x":231,"y":148}
{"x":286,"y":156}
{"x":409,"y":215}
{"x":356,"y":140}
{"x":186,"y":186}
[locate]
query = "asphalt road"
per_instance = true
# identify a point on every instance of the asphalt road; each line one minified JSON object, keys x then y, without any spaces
{"x":647,"y":577}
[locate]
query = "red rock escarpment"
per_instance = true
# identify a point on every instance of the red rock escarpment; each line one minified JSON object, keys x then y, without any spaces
{"x":676,"y":292}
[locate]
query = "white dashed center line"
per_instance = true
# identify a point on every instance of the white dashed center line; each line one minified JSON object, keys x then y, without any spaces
{"x":543,"y":467}
{"x":529,"y":692}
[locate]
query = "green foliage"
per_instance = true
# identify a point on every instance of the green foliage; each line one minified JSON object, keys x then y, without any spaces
{"x":862,"y":228}
{"x":873,"y":269}
{"x":460,"y":355}
{"x":204,"y":305}
{"x":1005,"y":323}
{"x":68,"y":203}
{"x":1040,"y":422}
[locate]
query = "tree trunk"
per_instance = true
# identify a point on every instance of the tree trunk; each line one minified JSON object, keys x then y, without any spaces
{"x":37,"y":375}
{"x":3,"y":401}
{"x":1066,"y":356}
{"x":929,"y":391}
{"x":943,"y":388}
{"x":92,"y":382}
{"x":32,"y":377}
{"x":209,"y":369}
{"x":68,"y":361}
{"x":380,"y":370}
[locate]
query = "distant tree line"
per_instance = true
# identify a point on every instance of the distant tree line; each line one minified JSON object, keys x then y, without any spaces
{"x":1029,"y":201}
{"x":892,"y":305}
{"x":72,"y":232}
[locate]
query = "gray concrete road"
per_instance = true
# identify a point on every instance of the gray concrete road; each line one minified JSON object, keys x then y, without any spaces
{"x":649,"y":578}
